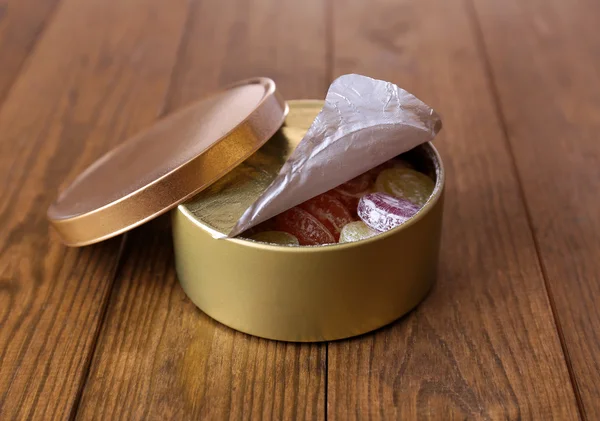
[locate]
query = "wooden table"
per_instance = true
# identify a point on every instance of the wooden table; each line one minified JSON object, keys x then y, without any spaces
{"x":512,"y":327}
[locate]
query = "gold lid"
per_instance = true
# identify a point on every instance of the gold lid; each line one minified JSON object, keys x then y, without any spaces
{"x":174,"y":159}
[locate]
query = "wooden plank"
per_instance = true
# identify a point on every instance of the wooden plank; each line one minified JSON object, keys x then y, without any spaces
{"x":158,"y":357}
{"x":483,"y":345}
{"x":21,"y":23}
{"x":99,"y":74}
{"x":547,"y":75}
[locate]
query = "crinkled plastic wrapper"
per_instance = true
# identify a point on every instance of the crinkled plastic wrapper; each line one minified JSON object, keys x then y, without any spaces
{"x":364,"y":123}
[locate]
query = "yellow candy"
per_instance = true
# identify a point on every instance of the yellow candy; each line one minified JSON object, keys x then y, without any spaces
{"x":355,"y":231}
{"x":405,"y":183}
{"x":276,"y":237}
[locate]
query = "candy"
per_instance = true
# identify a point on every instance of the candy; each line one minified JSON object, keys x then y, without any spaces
{"x":405,"y":183}
{"x":305,"y":227}
{"x":351,"y":191}
{"x":383,"y":198}
{"x":357,"y":185}
{"x":355,"y":231}
{"x":392,"y":163}
{"x":383,"y":212}
{"x":276,"y":237}
{"x":330,"y":211}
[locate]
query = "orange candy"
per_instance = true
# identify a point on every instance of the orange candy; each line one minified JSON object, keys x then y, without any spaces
{"x":357,"y":185}
{"x":330,"y":211}
{"x":351,"y":191}
{"x":305,"y":227}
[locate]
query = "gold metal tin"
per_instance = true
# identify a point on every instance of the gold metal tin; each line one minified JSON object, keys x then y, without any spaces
{"x":307,"y":294}
{"x":168,"y":163}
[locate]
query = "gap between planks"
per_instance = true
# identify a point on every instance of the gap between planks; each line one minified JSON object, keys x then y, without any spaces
{"x":88,"y":363}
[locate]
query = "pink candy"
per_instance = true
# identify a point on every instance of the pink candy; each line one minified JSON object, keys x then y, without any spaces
{"x":382,"y":212}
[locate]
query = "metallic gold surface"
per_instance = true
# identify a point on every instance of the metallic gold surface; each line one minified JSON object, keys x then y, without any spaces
{"x":170,"y":162}
{"x":316,"y":293}
{"x":221,"y":205}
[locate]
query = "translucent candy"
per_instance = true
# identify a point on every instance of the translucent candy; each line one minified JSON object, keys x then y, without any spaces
{"x":355,"y":231}
{"x":405,"y":183}
{"x":392,"y":163}
{"x":276,"y":237}
{"x":357,"y":185}
{"x":383,"y":212}
{"x":330,"y":211}
{"x":350,"y":192}
{"x":305,"y":227}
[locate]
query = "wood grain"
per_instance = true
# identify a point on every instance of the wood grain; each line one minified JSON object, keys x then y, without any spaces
{"x":159,"y":357}
{"x":547,"y":75}
{"x":21,"y":23}
{"x":100,"y":73}
{"x":484,"y":344}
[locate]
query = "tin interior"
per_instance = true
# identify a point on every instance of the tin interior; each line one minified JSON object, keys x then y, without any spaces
{"x":424,"y":158}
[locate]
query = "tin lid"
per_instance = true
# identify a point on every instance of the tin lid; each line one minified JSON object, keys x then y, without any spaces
{"x":168,"y":163}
